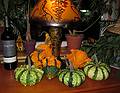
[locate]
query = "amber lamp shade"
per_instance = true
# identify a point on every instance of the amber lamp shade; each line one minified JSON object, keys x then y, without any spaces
{"x":55,"y":12}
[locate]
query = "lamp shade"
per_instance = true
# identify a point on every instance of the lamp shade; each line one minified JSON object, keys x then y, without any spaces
{"x":55,"y":12}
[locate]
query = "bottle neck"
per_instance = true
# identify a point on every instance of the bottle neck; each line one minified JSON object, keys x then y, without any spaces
{"x":7,"y":25}
{"x":8,"y":33}
{"x":6,"y":22}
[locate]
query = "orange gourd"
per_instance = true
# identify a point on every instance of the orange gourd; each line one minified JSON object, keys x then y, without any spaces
{"x":78,"y":58}
{"x":51,"y":61}
{"x":36,"y":58}
{"x":43,"y":57}
{"x":46,"y":49}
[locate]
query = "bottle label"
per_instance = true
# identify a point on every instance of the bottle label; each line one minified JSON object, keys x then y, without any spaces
{"x":9,"y":60}
{"x":9,"y":48}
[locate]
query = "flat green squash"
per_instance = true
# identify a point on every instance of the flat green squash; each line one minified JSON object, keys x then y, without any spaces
{"x":71,"y":78}
{"x":97,"y":70}
{"x":28,"y":75}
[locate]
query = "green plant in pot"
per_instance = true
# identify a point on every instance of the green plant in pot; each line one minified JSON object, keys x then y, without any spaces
{"x":74,"y":40}
{"x":76,"y":30}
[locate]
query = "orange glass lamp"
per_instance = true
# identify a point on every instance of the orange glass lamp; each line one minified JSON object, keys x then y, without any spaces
{"x":55,"y":14}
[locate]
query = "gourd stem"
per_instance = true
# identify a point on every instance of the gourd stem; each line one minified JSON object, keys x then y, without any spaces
{"x":47,"y":61}
{"x":69,"y":64}
{"x":29,"y":62}
{"x":95,"y":58}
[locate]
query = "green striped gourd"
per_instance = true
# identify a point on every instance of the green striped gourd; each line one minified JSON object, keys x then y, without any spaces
{"x":72,"y":78}
{"x":97,"y":70}
{"x":28,"y":75}
{"x":50,"y":71}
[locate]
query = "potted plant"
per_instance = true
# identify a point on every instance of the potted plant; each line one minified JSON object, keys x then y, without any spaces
{"x":73,"y":39}
{"x":77,"y":30}
{"x":90,"y":21}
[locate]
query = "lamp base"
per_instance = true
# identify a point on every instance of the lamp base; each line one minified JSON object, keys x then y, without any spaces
{"x":55,"y":35}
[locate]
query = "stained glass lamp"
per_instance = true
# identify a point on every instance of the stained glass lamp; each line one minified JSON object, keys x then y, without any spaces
{"x":55,"y":13}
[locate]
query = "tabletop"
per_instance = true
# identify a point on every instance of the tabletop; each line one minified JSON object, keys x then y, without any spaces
{"x":9,"y":85}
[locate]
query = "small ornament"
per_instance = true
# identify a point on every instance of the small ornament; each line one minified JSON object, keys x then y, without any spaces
{"x":19,"y":43}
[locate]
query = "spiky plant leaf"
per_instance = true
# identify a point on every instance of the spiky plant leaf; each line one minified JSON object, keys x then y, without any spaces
{"x":107,"y":49}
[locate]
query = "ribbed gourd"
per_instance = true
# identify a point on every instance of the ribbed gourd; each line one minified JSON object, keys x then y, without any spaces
{"x":97,"y":70}
{"x":71,"y":77}
{"x":50,"y":68}
{"x":51,"y":71}
{"x":28,"y":76}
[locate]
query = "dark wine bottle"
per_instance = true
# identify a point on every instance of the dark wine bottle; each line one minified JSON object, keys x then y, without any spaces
{"x":9,"y":46}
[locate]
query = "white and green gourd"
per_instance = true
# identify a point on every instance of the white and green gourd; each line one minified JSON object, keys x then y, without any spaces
{"x":71,"y":77}
{"x":28,"y":75}
{"x":97,"y":70}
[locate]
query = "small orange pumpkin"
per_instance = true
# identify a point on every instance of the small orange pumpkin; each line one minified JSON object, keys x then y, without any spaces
{"x":78,"y":58}
{"x":36,"y":58}
{"x":42,"y":57}
{"x":46,"y":49}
